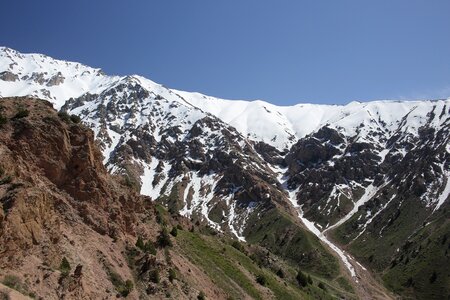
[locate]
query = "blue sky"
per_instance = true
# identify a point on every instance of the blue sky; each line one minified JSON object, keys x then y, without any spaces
{"x":281,"y":51}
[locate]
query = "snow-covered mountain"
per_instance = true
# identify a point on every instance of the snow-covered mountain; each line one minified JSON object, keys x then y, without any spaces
{"x":365,"y":172}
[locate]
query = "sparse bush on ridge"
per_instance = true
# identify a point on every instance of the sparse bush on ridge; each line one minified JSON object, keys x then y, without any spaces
{"x":154,"y":276}
{"x":64,"y":267}
{"x":301,"y":279}
{"x":201,"y":296}
{"x":164,"y":239}
{"x":174,"y":232}
{"x":261,"y":279}
{"x":3,"y":120}
{"x":21,"y":113}
{"x":172,"y":275}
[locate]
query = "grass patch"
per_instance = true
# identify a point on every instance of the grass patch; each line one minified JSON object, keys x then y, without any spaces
{"x":278,"y":233}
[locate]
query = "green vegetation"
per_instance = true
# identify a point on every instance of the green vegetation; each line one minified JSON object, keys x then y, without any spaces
{"x":161,"y":215}
{"x":147,"y":247}
{"x":140,"y":243}
{"x":64,"y":116}
{"x":21,"y":113}
{"x":278,"y":233}
{"x":228,"y":267}
{"x":171,"y":201}
{"x":201,"y":296}
{"x":75,"y":119}
{"x":69,"y":118}
{"x":6,"y":180}
{"x":302,"y":279}
{"x":164,"y":239}
{"x":153,"y":275}
{"x":64,"y":267}
{"x":13,"y":282}
{"x":122,"y":287}
{"x":261,"y":279}
{"x":174,"y":232}
{"x":343,"y":283}
{"x":172,"y":274}
{"x":3,"y":120}
{"x":4,"y":295}
{"x":420,"y":268}
{"x":16,"y":283}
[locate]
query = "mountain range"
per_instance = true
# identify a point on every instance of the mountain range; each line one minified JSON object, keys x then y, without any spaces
{"x":364,"y":186}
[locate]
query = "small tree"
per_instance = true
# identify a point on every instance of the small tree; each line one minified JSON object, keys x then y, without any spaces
{"x":154,"y":276}
{"x":172,"y":275}
{"x":164,"y":239}
{"x":174,"y":232}
{"x":261,"y":279}
{"x":149,"y":248}
{"x":3,"y":120}
{"x":76,"y":119}
{"x":201,"y":296}
{"x":433,"y":277}
{"x":21,"y":113}
{"x":280,"y":273}
{"x":140,"y":243}
{"x":64,"y":267}
{"x":301,"y":279}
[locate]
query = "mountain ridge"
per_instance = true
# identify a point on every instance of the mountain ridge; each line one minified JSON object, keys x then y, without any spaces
{"x":357,"y":172}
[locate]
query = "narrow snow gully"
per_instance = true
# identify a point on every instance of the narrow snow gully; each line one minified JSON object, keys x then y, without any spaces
{"x":366,"y":286}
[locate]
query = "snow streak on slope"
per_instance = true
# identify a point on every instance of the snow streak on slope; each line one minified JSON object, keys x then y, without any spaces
{"x":445,"y":193}
{"x":369,"y":192}
{"x":310,"y":225}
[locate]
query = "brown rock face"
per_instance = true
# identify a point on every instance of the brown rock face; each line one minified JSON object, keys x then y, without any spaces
{"x":59,"y":203}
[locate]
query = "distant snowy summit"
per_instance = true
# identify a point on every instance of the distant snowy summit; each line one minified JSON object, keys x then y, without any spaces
{"x":280,"y":126}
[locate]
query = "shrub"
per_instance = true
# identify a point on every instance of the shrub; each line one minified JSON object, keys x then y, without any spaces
{"x":172,"y":275}
{"x":179,"y":227}
{"x":322,"y":286}
{"x":433,"y":277}
{"x":154,"y":276}
{"x":237,"y":245}
{"x":13,"y":282}
{"x":301,"y":279}
{"x":174,"y":232}
{"x":310,"y":281}
{"x":15,"y":186}
{"x":64,"y":267}
{"x":201,"y":296}
{"x":123,"y":288}
{"x":21,"y":113}
{"x":261,"y":279}
{"x":140,"y":243}
{"x":280,"y":273}
{"x":149,"y":248}
{"x":3,"y":120}
{"x":64,"y":116}
{"x":4,"y":295}
{"x":160,"y":218}
{"x":6,"y":180}
{"x":164,"y":239}
{"x":76,"y":119}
